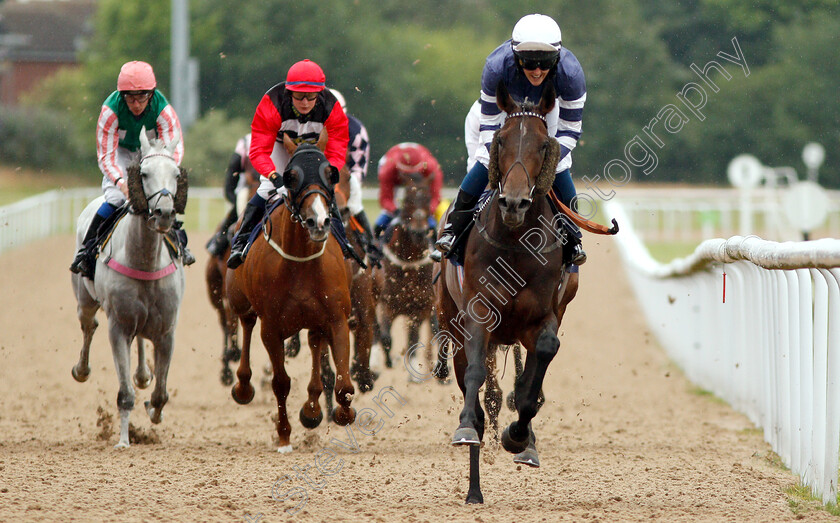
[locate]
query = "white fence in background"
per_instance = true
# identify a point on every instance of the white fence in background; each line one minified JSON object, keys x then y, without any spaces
{"x":695,"y":214}
{"x":56,"y":212}
{"x":758,"y":324}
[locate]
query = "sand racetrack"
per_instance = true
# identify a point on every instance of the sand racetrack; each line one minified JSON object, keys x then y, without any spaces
{"x":622,"y":437}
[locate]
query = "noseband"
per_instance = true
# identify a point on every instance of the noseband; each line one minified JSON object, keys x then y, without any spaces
{"x":159,"y":194}
{"x":294,"y":201}
{"x":532,"y":186}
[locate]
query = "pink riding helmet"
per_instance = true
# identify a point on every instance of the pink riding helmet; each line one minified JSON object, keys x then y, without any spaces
{"x":136,"y":76}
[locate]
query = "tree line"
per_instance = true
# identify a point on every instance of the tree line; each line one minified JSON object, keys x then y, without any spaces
{"x":411,"y":70}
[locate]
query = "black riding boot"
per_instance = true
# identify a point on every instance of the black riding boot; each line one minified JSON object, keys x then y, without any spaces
{"x":218,"y":243}
{"x":180,"y":236}
{"x":84,"y":261}
{"x":373,"y":251}
{"x":250,"y":219}
{"x":456,"y":224}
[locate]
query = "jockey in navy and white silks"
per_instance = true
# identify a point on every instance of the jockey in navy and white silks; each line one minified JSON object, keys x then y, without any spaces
{"x":564,"y":121}
{"x":532,"y":57}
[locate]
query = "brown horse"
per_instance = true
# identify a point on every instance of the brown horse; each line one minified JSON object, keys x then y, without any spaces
{"x":405,"y":277}
{"x":363,"y":296}
{"x":214,"y":275}
{"x":512,"y":291}
{"x":295,"y":278}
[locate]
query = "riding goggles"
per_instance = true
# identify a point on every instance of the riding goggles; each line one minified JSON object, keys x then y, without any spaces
{"x":309,"y":97}
{"x":531,"y":64}
{"x":136,"y":96}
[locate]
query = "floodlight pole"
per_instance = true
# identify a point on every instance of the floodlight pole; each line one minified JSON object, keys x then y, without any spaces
{"x":184,"y":70}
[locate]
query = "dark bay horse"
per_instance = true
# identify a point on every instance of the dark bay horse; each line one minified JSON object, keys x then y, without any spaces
{"x":513,"y":290}
{"x":295,"y":278}
{"x":214,"y":275}
{"x":405,"y":278}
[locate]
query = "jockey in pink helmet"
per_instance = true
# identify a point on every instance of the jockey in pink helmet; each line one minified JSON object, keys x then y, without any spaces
{"x":134,"y":105}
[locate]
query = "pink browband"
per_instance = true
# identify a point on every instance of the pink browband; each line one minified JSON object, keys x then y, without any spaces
{"x":141,"y":275}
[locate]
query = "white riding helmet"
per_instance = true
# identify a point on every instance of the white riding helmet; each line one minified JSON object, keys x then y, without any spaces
{"x":340,"y":99}
{"x":536,"y":33}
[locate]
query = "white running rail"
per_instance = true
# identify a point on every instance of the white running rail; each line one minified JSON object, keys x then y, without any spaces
{"x":765,"y":337}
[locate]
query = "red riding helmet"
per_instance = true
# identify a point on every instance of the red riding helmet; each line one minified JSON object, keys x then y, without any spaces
{"x":136,"y":76}
{"x":411,"y":157}
{"x":305,"y":76}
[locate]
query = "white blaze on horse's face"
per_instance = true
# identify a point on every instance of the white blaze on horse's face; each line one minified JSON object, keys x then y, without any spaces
{"x":316,"y":218}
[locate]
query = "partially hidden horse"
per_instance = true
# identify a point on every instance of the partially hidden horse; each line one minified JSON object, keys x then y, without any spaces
{"x":405,"y":278}
{"x":363,"y":296}
{"x":516,"y":282}
{"x":295,"y":278}
{"x":214,"y":275}
{"x":137,"y":282}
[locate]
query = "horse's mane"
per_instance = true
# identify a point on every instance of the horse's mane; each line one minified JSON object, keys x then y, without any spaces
{"x":546,"y":176}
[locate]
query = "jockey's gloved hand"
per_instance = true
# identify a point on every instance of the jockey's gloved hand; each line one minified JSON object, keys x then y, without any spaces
{"x":276,"y":179}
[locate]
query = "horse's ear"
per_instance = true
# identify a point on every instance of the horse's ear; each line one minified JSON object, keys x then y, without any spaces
{"x":322,"y":140}
{"x":289,"y":144}
{"x":144,"y":141}
{"x":176,"y":137}
{"x":503,"y":98}
{"x":136,"y":194}
{"x":548,"y":98}
{"x":181,"y":192}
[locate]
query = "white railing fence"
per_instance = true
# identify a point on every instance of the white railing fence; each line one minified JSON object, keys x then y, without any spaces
{"x":56,"y":212}
{"x":758,"y":324}
{"x":694,"y":214}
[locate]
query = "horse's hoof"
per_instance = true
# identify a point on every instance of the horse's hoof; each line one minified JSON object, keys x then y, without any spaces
{"x":233,"y":354}
{"x":511,"y":445}
{"x":311,"y":423}
{"x":511,"y":401}
{"x":227,"y":377}
{"x":142,"y":383}
{"x":465,"y":436}
{"x":156,"y":415}
{"x":242,"y":393}
{"x":365,"y":385}
{"x":475,"y":498}
{"x":529,"y":457}
{"x":344,"y":416}
{"x":79,"y":376}
{"x":122,"y":445}
{"x":285,"y":449}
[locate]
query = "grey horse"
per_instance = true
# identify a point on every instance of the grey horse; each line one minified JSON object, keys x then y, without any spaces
{"x":137,"y":282}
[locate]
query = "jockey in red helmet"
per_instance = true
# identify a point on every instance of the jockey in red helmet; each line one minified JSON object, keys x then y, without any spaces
{"x":406,"y":158}
{"x":300,"y":108}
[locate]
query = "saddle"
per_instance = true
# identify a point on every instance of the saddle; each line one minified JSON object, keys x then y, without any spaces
{"x":569,"y":230}
{"x":177,"y":236}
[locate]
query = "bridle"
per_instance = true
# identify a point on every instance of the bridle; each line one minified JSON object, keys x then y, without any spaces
{"x":518,"y":160}
{"x":294,"y":201}
{"x":159,"y":194}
